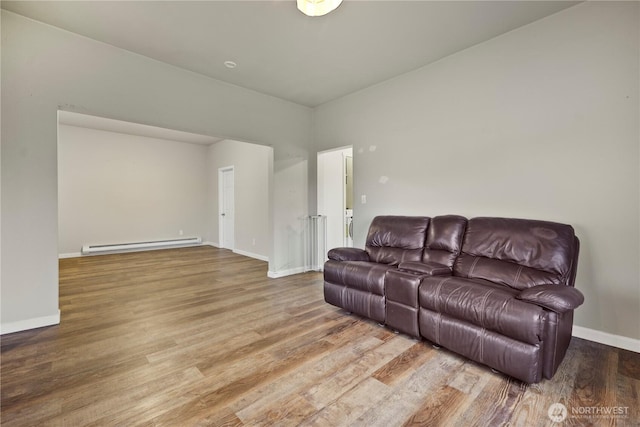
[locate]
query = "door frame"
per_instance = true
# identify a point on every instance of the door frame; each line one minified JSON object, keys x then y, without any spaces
{"x":321,"y":202}
{"x":221,"y":193}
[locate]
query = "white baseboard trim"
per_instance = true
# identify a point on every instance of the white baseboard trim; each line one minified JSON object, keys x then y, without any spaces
{"x":23,"y":325}
{"x":240,"y":252}
{"x":70,"y":255}
{"x":251,"y":255}
{"x":283,"y":273}
{"x":612,"y":340}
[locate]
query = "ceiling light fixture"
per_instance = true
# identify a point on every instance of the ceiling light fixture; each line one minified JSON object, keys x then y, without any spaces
{"x":317,"y":7}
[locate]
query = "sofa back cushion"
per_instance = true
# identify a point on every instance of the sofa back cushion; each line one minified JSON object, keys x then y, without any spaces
{"x":395,"y":239}
{"x":518,"y":253}
{"x":444,"y":239}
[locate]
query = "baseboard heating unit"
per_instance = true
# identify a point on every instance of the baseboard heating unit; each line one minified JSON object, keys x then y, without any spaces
{"x":156,"y":244}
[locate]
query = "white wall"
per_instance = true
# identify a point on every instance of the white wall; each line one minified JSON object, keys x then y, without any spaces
{"x":541,"y":122}
{"x":45,"y":69}
{"x":251,"y":164}
{"x":117,"y":188}
{"x":288,"y":226}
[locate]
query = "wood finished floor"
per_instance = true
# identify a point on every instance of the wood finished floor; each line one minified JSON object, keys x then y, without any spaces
{"x":200,"y":336}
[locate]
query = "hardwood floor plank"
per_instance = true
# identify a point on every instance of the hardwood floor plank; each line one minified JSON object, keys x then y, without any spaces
{"x":207,"y":348}
{"x":437,"y":408}
{"x":38,"y":389}
{"x":509,"y":396}
{"x":31,"y":415}
{"x":200,"y":336}
{"x":402,"y":365}
{"x":342,"y":381}
{"x":350,"y":405}
{"x":209,"y":401}
{"x":480,"y":391}
{"x":629,"y":364}
{"x":105,"y":403}
{"x":291,"y":411}
{"x":469,"y":380}
{"x":408,"y":395}
{"x":276,"y":393}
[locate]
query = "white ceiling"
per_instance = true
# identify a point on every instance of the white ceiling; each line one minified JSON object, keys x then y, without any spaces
{"x":280,"y":51}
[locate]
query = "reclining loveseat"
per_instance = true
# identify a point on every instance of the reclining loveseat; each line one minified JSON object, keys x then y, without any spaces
{"x":499,"y":291}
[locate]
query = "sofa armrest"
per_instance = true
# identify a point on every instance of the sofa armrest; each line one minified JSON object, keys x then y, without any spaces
{"x":348,"y":254}
{"x":558,"y":298}
{"x":426,"y":268}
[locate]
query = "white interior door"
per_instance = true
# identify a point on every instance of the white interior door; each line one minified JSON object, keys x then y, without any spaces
{"x":226,"y":207}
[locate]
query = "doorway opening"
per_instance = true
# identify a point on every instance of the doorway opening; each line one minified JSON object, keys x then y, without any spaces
{"x":335,"y":195}
{"x":226,"y":207}
{"x":123,"y":183}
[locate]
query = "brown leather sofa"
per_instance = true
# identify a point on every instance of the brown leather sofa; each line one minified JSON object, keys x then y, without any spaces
{"x":499,"y":291}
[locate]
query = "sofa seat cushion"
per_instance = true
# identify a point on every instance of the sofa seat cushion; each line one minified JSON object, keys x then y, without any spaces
{"x":360,"y":275}
{"x":484,"y":304}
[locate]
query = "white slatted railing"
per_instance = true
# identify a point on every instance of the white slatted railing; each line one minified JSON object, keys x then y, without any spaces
{"x":315,"y":242}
